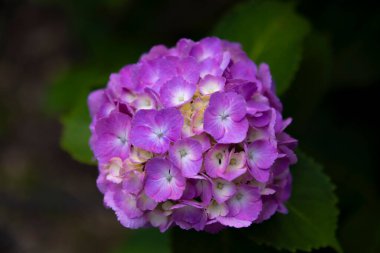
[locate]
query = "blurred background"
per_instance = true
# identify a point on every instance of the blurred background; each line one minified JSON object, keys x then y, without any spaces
{"x":52,"y":51}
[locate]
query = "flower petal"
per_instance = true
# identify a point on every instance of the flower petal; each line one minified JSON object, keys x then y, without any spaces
{"x":244,"y":207}
{"x":216,"y":160}
{"x":176,"y":92}
{"x":163,"y":180}
{"x":186,"y":154}
{"x":211,"y":84}
{"x":261,"y":154}
{"x":188,"y":217}
{"x":153,"y":130}
{"x":112,"y":137}
{"x":223,"y":190}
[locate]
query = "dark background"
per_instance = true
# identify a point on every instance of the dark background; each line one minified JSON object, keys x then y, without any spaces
{"x":49,"y":202}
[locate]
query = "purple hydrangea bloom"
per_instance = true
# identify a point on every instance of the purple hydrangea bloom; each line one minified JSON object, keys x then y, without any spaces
{"x":192,"y":136}
{"x":153,"y":130}
{"x":112,"y":137}
{"x":186,"y":154}
{"x":260,"y":157}
{"x":211,"y":84}
{"x":223,"y":190}
{"x":225,"y":118}
{"x":216,"y":160}
{"x":163,"y":180}
{"x":176,"y":92}
{"x":244,"y":207}
{"x":189,"y":216}
{"x":236,"y":166}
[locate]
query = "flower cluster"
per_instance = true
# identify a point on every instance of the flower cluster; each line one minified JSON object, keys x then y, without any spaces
{"x":192,"y":136}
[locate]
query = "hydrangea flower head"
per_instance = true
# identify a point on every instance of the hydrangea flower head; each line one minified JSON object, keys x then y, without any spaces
{"x":192,"y":136}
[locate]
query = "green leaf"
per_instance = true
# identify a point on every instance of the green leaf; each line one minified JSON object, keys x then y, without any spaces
{"x":145,"y":241}
{"x":270,"y":32}
{"x":76,"y":133}
{"x":312,"y":219}
{"x":64,"y":92}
